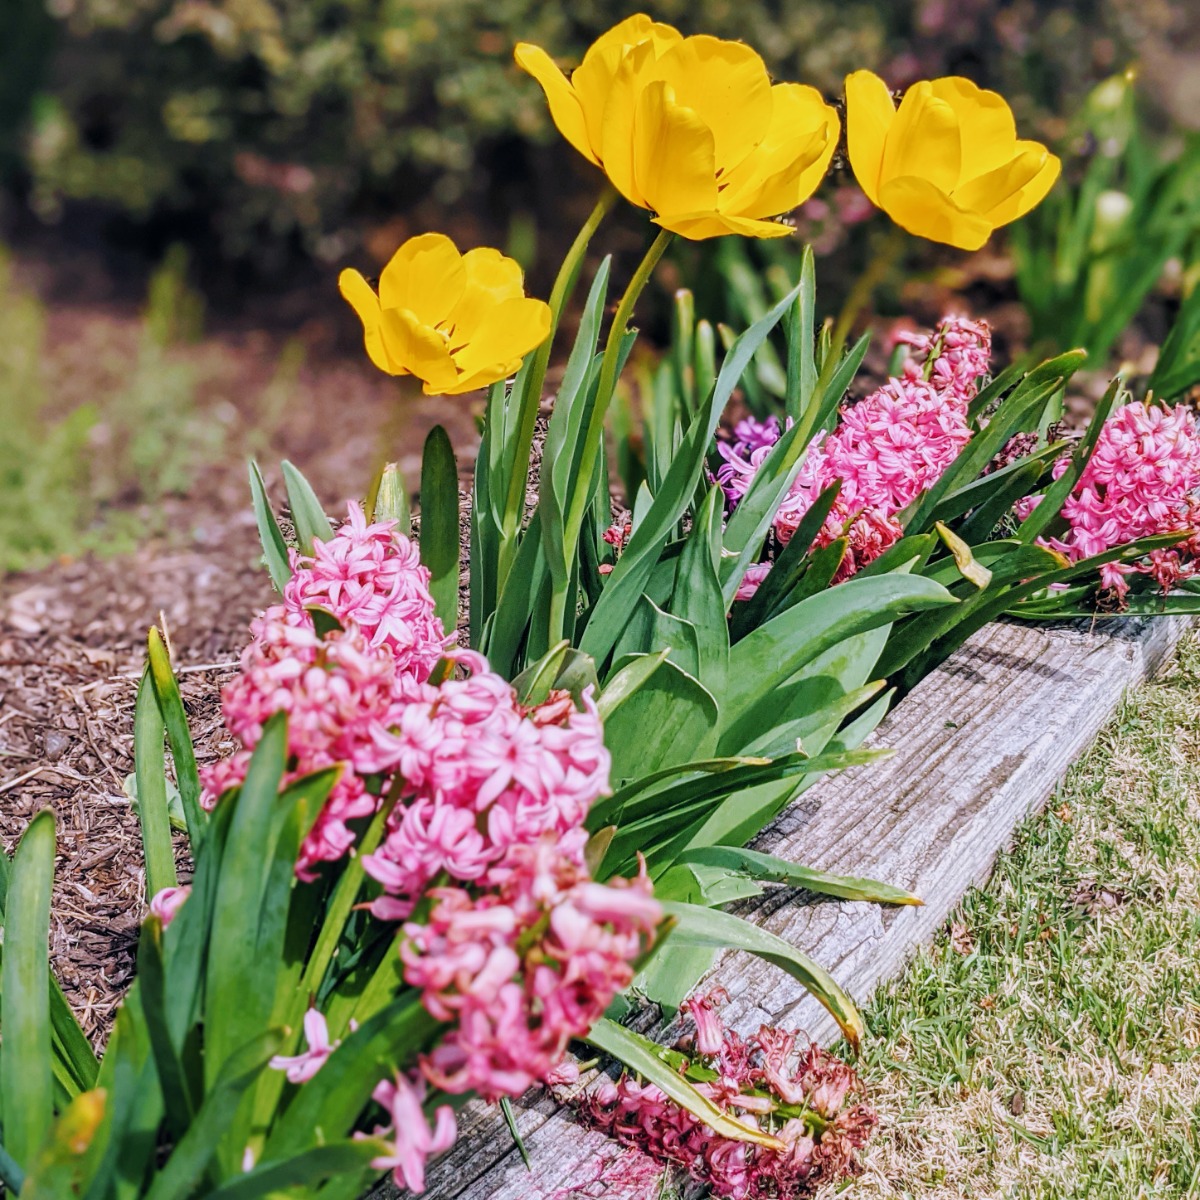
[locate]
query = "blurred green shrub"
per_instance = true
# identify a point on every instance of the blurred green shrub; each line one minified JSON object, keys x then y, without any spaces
{"x":284,"y":124}
{"x":88,"y":479}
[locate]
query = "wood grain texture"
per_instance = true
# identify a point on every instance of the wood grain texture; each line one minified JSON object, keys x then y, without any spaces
{"x":980,"y":743}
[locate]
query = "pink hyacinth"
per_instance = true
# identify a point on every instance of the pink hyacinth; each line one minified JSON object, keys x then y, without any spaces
{"x":343,"y":691}
{"x":411,"y":1140}
{"x":372,"y":576}
{"x":522,"y":970}
{"x":1143,"y":478}
{"x":812,"y":1099}
{"x":887,"y":449}
{"x":485,"y":775}
{"x":167,"y":902}
{"x":302,"y":1067}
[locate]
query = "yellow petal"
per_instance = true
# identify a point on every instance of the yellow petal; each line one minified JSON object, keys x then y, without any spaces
{"x":869,"y":115}
{"x":727,"y":86}
{"x":361,"y":297}
{"x":491,"y":278}
{"x":996,"y":188}
{"x":426,"y":276}
{"x":672,"y":155}
{"x":565,"y":108}
{"x":989,"y":133}
{"x":792,"y":159}
{"x":422,"y":350}
{"x":594,"y":77}
{"x":620,"y":112}
{"x":698,"y":226}
{"x":916,"y":205}
{"x":507,"y":332}
{"x":924,"y":141}
{"x":1032,"y":193}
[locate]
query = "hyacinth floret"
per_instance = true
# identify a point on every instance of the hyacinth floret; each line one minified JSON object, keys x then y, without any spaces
{"x":523,"y":969}
{"x":1143,"y":478}
{"x":885,"y":451}
{"x":811,"y":1102}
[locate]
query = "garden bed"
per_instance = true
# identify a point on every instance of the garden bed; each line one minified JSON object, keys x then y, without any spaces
{"x":980,"y":743}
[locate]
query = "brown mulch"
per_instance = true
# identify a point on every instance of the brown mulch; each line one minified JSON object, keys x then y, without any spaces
{"x":71,"y":649}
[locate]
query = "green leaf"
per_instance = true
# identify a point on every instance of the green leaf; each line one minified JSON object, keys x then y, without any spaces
{"x":670,"y":719}
{"x":303,"y":1170}
{"x":174,"y":716}
{"x":26,"y":1070}
{"x":697,"y":598}
{"x":153,"y":814}
{"x":624,"y":682}
{"x":391,"y":499}
{"x":697,"y":926}
{"x":439,"y":523}
{"x":60,"y":1167}
{"x":533,"y":684}
{"x":1178,"y":366}
{"x":645,"y":1058}
{"x":312,"y":525}
{"x":801,"y":333}
{"x":177,"y":1178}
{"x":275,"y":553}
{"x":649,"y":629}
{"x":768,"y":868}
{"x":776,"y":651}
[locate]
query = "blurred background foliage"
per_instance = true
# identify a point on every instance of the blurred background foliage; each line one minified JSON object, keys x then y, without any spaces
{"x":268,"y":132}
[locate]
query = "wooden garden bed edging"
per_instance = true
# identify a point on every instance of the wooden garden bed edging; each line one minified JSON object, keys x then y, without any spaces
{"x":981,"y":743}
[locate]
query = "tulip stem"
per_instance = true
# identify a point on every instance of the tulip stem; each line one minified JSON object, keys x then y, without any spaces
{"x":877,"y":270}
{"x":594,"y":436}
{"x":531,"y":396}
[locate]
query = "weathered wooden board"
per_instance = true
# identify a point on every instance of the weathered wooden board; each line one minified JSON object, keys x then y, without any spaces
{"x":979,"y":744}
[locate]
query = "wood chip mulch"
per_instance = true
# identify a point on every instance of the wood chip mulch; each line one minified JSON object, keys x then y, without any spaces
{"x":72,"y":643}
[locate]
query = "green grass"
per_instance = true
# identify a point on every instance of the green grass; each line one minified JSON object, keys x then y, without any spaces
{"x":1047,"y":1047}
{"x":89,"y":478}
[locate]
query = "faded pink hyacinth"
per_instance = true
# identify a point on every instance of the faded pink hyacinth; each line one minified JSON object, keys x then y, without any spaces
{"x":524,"y":969}
{"x":411,"y":1140}
{"x":814,"y":1102}
{"x":1143,"y":478}
{"x":886,"y":450}
{"x":167,"y":902}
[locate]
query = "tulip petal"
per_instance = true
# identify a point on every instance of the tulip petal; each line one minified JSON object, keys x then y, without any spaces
{"x":916,"y":205}
{"x":995,"y":189}
{"x":727,"y":86}
{"x":491,"y":278}
{"x":673,"y":162}
{"x":988,"y":130}
{"x":566,"y":111}
{"x":361,"y":297}
{"x":869,"y":116}
{"x":1032,"y":193}
{"x":924,"y":141}
{"x":426,"y":276}
{"x":620,"y":112}
{"x":508,"y":331}
{"x":697,"y":226}
{"x":593,"y":79}
{"x":421,"y":349}
{"x":792,"y":159}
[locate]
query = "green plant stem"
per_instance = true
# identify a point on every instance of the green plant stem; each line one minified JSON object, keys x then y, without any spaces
{"x":590,"y":450}
{"x":877,"y":270}
{"x":531,"y":396}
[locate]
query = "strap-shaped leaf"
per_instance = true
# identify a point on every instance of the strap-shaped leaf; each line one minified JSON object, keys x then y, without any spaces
{"x":306,"y":1169}
{"x":308,"y":516}
{"x":439,"y":523}
{"x":645,"y":1058}
{"x":153,"y":814}
{"x":275,"y":553}
{"x":26,"y":1071}
{"x":170,"y":706}
{"x":697,"y":926}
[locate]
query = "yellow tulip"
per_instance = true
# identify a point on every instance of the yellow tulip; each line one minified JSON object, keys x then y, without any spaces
{"x":947,"y":164}
{"x":691,"y":128}
{"x":456,"y":321}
